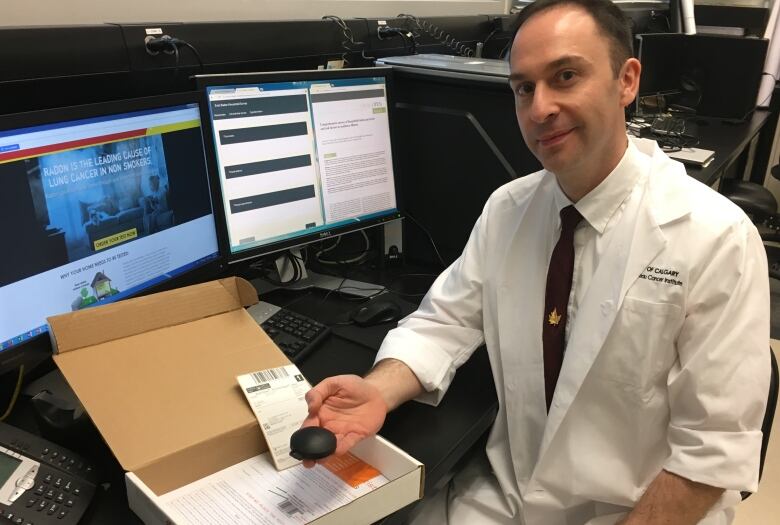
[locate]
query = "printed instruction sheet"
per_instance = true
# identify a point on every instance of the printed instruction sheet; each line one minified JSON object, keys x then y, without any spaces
{"x":253,"y":491}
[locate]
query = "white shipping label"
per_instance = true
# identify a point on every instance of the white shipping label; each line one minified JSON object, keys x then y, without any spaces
{"x":276,"y":396}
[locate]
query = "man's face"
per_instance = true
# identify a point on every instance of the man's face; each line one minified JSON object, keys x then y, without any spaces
{"x":568,"y":100}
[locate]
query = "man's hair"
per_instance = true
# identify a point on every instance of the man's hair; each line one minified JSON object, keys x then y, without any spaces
{"x":614,"y":25}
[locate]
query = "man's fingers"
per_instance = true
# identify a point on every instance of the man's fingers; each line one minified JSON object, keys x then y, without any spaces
{"x":324,"y":389}
{"x":311,"y":421}
{"x":313,"y":401}
{"x":345,"y":442}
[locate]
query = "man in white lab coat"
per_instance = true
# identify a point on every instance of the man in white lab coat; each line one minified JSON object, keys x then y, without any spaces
{"x":657,"y":410}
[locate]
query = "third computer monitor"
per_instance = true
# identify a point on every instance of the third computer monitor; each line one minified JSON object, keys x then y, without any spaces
{"x":300,"y":156}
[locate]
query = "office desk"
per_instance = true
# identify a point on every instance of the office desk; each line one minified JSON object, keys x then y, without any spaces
{"x":728,"y":140}
{"x":439,"y":437}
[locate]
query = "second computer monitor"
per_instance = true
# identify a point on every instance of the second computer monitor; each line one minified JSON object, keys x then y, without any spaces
{"x":300,"y":156}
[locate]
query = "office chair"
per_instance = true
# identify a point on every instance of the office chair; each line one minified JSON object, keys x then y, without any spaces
{"x":769,"y":416}
{"x":759,"y":203}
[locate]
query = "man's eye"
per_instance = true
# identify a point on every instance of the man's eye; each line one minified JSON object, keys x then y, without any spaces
{"x":524,"y":89}
{"x":567,"y":75}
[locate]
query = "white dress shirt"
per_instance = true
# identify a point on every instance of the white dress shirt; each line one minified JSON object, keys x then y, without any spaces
{"x":601,"y":209}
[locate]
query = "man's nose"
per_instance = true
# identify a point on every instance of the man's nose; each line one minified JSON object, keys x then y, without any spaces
{"x":544,"y":104}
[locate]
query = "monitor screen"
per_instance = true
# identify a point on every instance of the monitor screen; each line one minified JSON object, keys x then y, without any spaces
{"x":99,"y":203}
{"x":300,"y":155}
{"x":714,"y":75}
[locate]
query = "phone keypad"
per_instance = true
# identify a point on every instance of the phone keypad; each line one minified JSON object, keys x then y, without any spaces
{"x":54,"y":496}
{"x":57,"y":491}
{"x":58,"y":459}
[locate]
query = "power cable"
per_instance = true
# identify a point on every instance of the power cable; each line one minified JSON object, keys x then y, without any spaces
{"x":430,"y":238}
{"x":440,"y":35}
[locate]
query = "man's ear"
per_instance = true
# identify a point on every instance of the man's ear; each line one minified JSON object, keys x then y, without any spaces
{"x":629,"y":81}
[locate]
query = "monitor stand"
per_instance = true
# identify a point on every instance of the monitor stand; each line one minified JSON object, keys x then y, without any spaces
{"x":312,"y":279}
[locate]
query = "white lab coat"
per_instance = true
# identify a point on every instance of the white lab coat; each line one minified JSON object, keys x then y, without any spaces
{"x":667,"y":363}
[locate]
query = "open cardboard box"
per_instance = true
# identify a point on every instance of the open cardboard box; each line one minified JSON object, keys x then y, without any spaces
{"x":157,"y":375}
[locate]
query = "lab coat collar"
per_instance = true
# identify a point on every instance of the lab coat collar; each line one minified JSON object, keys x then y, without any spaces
{"x":666,"y":207}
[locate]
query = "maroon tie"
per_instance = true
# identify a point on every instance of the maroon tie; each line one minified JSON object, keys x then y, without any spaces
{"x":556,"y":300}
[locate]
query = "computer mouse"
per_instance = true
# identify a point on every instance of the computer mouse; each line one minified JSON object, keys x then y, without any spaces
{"x":312,"y":443}
{"x":376,"y":312}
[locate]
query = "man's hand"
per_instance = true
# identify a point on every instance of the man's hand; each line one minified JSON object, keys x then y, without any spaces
{"x":354,"y":408}
{"x":349,"y":406}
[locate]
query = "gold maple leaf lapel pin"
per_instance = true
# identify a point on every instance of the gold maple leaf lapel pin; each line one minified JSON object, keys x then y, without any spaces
{"x":554,"y":317}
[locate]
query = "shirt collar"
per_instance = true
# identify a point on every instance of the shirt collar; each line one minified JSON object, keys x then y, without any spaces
{"x":601,"y":203}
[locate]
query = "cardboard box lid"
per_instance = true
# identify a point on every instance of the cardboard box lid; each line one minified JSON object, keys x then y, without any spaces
{"x":157,"y":374}
{"x":94,"y":326}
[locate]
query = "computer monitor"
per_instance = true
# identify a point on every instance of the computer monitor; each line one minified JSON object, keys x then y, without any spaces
{"x":98,"y":203}
{"x":714,"y":75}
{"x":299,"y":156}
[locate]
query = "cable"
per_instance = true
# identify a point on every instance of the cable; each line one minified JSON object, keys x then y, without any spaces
{"x":176,"y":57}
{"x":263,"y":266}
{"x":330,"y":248}
{"x":671,"y":133}
{"x":430,"y":238}
{"x":299,"y":263}
{"x":349,"y":40}
{"x":15,"y":394}
{"x":336,"y":289}
{"x":385,"y":32}
{"x":360,"y":258}
{"x":344,"y":295}
{"x":439,"y":34}
{"x":194,"y":52}
{"x":376,"y":291}
{"x":766,"y":99}
{"x":170,"y":45}
{"x":506,"y":49}
{"x":490,"y":35}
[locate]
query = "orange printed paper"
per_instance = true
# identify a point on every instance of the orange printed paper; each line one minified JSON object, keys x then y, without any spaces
{"x":350,"y":469}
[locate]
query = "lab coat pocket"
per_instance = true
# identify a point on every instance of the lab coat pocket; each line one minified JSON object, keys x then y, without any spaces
{"x":639,"y":347}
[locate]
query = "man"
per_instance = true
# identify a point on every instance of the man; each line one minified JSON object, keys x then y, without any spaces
{"x":155,"y":203}
{"x":654,"y":414}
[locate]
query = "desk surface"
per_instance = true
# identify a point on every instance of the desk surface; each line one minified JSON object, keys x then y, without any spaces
{"x":727,"y":139}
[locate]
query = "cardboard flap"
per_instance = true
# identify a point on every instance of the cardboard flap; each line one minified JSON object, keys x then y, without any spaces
{"x":94,"y":326}
{"x":172,"y":392}
{"x":156,"y":394}
{"x":243,"y":291}
{"x":202,"y":459}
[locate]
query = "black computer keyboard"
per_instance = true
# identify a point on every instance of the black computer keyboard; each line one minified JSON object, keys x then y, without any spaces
{"x":296,"y":335}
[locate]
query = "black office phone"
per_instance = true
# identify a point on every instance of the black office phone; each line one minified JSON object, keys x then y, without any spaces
{"x":42,"y":483}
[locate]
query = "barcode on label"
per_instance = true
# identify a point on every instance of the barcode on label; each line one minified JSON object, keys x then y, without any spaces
{"x":289,"y":508}
{"x":269,"y":375}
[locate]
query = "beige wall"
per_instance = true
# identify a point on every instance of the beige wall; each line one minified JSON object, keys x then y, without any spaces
{"x":67,"y":12}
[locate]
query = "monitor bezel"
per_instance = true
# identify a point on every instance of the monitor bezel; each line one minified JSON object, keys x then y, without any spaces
{"x":38,"y":348}
{"x":204,"y":81}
